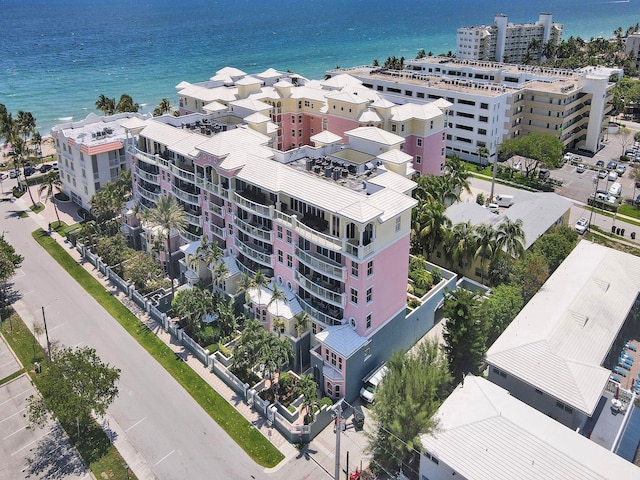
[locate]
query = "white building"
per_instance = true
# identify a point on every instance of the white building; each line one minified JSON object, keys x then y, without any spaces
{"x":507,"y":42}
{"x":484,"y":433}
{"x":91,"y":154}
{"x":632,"y":46}
{"x":555,"y":355}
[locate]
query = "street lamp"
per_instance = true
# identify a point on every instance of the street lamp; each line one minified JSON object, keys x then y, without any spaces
{"x":493,"y":175}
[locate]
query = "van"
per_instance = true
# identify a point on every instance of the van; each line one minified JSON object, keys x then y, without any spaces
{"x":503,"y":200}
{"x":615,"y":189}
{"x":371,"y":383}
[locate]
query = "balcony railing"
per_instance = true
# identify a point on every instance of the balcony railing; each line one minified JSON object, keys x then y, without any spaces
{"x":144,"y":156}
{"x":360,"y":251}
{"x":255,"y":255}
{"x":217,"y":209}
{"x":187,"y":197}
{"x":190,"y":237}
{"x":333,"y":271}
{"x":193,"y":219}
{"x":151,"y":196}
{"x":318,"y":238}
{"x":324,"y":293}
{"x":219,"y":231}
{"x":252,"y":206}
{"x":149,"y":177}
{"x":183,"y":174}
{"x":264,"y":235}
{"x":317,"y":315}
{"x":283,"y":218}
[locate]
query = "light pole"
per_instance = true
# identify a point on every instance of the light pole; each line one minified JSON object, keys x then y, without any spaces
{"x":596,"y":181}
{"x":493,"y":175}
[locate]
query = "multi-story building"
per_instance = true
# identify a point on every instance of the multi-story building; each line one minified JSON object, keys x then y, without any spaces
{"x":91,"y":154}
{"x":632,"y":47}
{"x":328,"y":220}
{"x":489,"y":102}
{"x":507,"y":42}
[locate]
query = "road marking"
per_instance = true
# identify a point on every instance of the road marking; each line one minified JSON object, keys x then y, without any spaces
{"x":163,"y":458}
{"x":32,"y":442}
{"x":13,"y":414}
{"x":17,"y":431}
{"x":57,"y":326}
{"x":19,"y":273}
{"x":136,"y":424}
{"x":17,"y":395}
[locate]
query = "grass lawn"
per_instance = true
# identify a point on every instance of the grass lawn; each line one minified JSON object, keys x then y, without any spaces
{"x":23,"y":214}
{"x":605,"y":213}
{"x":94,"y":446}
{"x":238,"y":428}
{"x":598,"y":235}
{"x":629,"y":211}
{"x":37,"y":208}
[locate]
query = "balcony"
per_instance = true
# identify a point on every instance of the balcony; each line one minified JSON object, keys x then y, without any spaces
{"x":318,"y":238}
{"x":183,"y":174}
{"x":151,"y":196}
{"x":336,"y":272}
{"x":263,"y":258}
{"x":251,"y":206}
{"x":217,"y":209}
{"x":192,"y":219}
{"x":190,"y":237}
{"x":149,"y":177}
{"x":320,"y":291}
{"x":317,"y":314}
{"x":186,"y":196}
{"x":144,"y":156}
{"x":253,"y":230}
{"x":218,"y":231}
{"x":360,"y":251}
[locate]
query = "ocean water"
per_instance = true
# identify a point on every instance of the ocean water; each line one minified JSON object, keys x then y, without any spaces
{"x":58,"y":56}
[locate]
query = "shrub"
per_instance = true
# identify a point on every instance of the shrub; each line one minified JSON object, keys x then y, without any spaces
{"x":436,"y":274}
{"x":284,"y":381}
{"x":325,"y":401}
{"x":480,"y":199}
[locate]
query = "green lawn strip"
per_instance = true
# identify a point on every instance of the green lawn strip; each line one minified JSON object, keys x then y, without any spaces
{"x":604,"y":238}
{"x":37,"y":208}
{"x":605,"y":213}
{"x":94,"y":446}
{"x":629,"y":211}
{"x":22,"y":214}
{"x":238,"y":428}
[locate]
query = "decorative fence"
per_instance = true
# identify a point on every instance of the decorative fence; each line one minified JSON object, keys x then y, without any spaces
{"x":286,"y":422}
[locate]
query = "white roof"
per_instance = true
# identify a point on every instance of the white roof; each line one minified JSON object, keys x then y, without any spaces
{"x":560,"y":339}
{"x":395,"y":156}
{"x":342,"y":339}
{"x":252,"y":104}
{"x":392,"y":181}
{"x":369,"y":116}
{"x":249,"y":80}
{"x":190,"y":248}
{"x":340,"y":81}
{"x":348,"y":97}
{"x":326,"y":137}
{"x":214,"y":106}
{"x":229,"y":72}
{"x":375,"y":134}
{"x":182,"y":85}
{"x":257,"y":118}
{"x":236,"y":139}
{"x":382,"y":103}
{"x":423,"y":111}
{"x":442,"y":103}
{"x":269,"y":73}
{"x":484,"y":433}
{"x":286,"y":309}
{"x":133,"y":123}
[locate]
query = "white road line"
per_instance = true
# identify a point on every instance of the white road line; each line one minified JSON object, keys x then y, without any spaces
{"x":136,"y":424}
{"x":13,"y":414}
{"x":163,"y":458}
{"x":17,"y":395}
{"x":57,"y":326}
{"x":17,"y":431}
{"x":31,"y":443}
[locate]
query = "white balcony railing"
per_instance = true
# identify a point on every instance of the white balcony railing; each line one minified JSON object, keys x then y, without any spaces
{"x":149,"y":177}
{"x":255,"y":255}
{"x":252,"y":206}
{"x":317,"y":315}
{"x":260,"y":234}
{"x":219,"y":231}
{"x":336,"y":299}
{"x":217,"y":209}
{"x":193,"y":219}
{"x":151,"y":196}
{"x":187,"y":197}
{"x":326,"y":268}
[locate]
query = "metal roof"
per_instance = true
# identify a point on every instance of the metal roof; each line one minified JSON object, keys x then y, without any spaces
{"x":560,"y":339}
{"x":375,"y":134}
{"x":485,"y":433}
{"x":342,"y":339}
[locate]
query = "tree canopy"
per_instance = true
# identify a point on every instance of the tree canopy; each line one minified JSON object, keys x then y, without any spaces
{"x":75,"y":384}
{"x":535,"y":148}
{"x":500,"y":308}
{"x":406,"y":400}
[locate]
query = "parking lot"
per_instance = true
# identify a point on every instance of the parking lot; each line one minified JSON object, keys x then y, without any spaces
{"x":32,"y":453}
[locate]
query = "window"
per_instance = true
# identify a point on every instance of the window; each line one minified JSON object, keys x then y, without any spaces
{"x":329,"y":389}
{"x":484,"y":106}
{"x":418,"y":159}
{"x":300,"y":133}
{"x":354,"y":296}
{"x":289,"y":261}
{"x":299,"y":118}
{"x":279,"y":231}
{"x":280,"y":256}
{"x":398,"y":224}
{"x":367,"y":350}
{"x":314,"y":327}
{"x":370,"y":268}
{"x":368,"y":322}
{"x":354,"y":269}
{"x":288,"y":236}
{"x":369,"y":294}
{"x":293,"y":119}
{"x":483,"y":119}
{"x":394,"y":128}
{"x":418,"y":142}
{"x":293,"y":133}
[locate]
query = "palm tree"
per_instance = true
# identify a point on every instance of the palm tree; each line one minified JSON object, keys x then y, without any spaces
{"x":277,"y":296}
{"x":163,"y":107}
{"x":302,"y":322}
{"x":458,"y":174}
{"x":26,"y":124}
{"x":36,"y":142}
{"x":19,"y":152}
{"x":246,"y":283}
{"x":549,"y":49}
{"x":126,"y":104}
{"x":168,"y":214}
{"x":464,"y":245}
{"x":482,"y":152}
{"x":51,"y":182}
{"x":429,"y":226}
{"x":259,"y":281}
{"x":307,"y":387}
{"x":510,"y":237}
{"x":106,"y":105}
{"x":485,"y":241}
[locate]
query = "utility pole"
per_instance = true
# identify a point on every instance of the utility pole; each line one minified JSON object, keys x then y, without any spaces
{"x":338,"y":427}
{"x":493,"y":176}
{"x":46,"y":332}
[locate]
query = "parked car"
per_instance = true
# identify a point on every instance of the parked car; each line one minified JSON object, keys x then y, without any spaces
{"x":3,"y":176}
{"x":612,"y":165}
{"x":582,"y":225}
{"x":371,"y":382}
{"x":576,"y":158}
{"x":603,"y":174}
{"x":621,"y":169}
{"x":638,"y":200}
{"x":580,"y":168}
{"x":29,"y":170}
{"x":600,"y":164}
{"x":54,"y":166}
{"x":13,"y":173}
{"x":45,"y":168}
{"x":613,"y":176}
{"x":567,"y":157}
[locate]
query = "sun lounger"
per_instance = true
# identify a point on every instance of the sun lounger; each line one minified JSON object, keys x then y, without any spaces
{"x":620,"y":371}
{"x":616,"y":378}
{"x":631,"y":346}
{"x":626,"y":355}
{"x":626,"y":366}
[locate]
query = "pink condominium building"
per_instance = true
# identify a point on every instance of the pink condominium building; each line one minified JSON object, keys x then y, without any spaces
{"x":310,"y":183}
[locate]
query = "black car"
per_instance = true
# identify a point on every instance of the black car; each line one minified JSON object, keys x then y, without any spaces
{"x":29,"y":170}
{"x":600,"y":163}
{"x":45,"y":168}
{"x":612,"y":165}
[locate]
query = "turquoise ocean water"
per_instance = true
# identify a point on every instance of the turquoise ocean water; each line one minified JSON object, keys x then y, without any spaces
{"x":57,"y":56}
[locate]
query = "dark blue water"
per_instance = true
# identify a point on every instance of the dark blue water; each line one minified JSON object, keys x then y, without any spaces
{"x":57,"y":56}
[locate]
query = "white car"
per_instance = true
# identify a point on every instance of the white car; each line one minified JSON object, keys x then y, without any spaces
{"x":582,"y":225}
{"x":580,"y":168}
{"x":3,"y":176}
{"x":12,"y":173}
{"x":613,"y":176}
